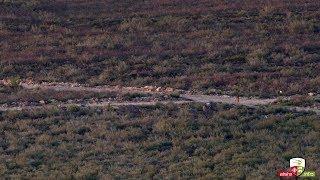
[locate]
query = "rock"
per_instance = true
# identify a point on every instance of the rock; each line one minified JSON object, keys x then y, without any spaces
{"x":53,"y":101}
{"x":2,"y":82}
{"x":311,"y":94}
{"x":169,"y":89}
{"x":29,"y":81}
{"x":42,"y":102}
{"x":158,"y":89}
{"x":149,"y":88}
{"x":118,"y":87}
{"x":6,"y":82}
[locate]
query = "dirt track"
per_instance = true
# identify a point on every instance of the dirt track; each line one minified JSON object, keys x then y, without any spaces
{"x":186,"y":96}
{"x":75,"y":87}
{"x":102,"y":104}
{"x":228,"y":99}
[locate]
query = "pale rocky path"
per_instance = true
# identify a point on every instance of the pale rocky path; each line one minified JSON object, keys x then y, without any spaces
{"x":102,"y":104}
{"x":251,"y":102}
{"x":188,"y":97}
{"x":76,"y":87}
{"x":228,"y":99}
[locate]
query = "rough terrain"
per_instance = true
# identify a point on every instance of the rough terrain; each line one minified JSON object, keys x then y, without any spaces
{"x":187,"y":97}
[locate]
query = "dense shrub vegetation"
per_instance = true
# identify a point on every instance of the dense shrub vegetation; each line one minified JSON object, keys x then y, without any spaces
{"x":160,"y":141}
{"x":252,"y":47}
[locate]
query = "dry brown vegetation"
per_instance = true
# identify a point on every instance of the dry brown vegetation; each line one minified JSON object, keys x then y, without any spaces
{"x":156,"y":142}
{"x":256,"y":48}
{"x":244,"y":47}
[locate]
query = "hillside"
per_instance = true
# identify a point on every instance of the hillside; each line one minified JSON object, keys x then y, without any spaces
{"x":159,"y":142}
{"x":158,"y":89}
{"x":245,"y":47}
